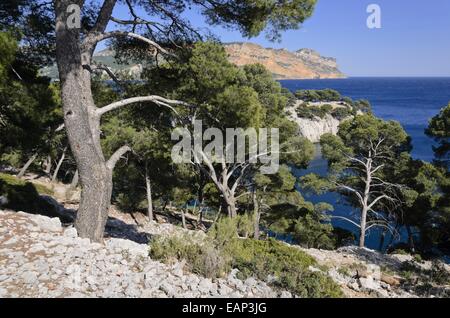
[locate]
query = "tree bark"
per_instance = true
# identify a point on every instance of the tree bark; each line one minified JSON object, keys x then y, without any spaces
{"x":183,"y":219}
{"x":83,"y":128}
{"x":382,"y":240}
{"x":148,"y":188}
{"x":362,"y":232}
{"x":365,"y":207}
{"x":257,"y":215}
{"x":200,"y":196}
{"x":48,"y":165}
{"x":27,"y":165}
{"x":200,"y":215}
{"x":410,"y":239}
{"x":231,"y":207}
{"x":82,"y":117}
{"x":58,"y":166}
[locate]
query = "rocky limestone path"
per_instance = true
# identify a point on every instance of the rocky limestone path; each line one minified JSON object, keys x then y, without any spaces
{"x":40,"y":258}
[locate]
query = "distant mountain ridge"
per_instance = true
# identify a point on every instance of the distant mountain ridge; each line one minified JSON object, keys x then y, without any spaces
{"x":283,"y":64}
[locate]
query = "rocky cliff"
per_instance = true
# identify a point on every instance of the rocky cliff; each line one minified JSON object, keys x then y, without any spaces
{"x":313,"y":128}
{"x":302,"y":64}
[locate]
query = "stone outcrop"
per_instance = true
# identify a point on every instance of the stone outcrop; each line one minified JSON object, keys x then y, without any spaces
{"x":283,"y":64}
{"x":313,"y":129}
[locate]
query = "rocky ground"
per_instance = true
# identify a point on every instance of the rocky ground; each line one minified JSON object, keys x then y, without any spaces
{"x":41,"y":258}
{"x":362,"y":272}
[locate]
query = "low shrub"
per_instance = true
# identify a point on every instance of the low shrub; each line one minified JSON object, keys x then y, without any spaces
{"x":280,"y":265}
{"x":325,"y":95}
{"x":400,"y":251}
{"x":305,"y":111}
{"x":287,"y":265}
{"x":422,"y":278}
{"x":311,"y":232}
{"x":343,"y":237}
{"x":204,"y":259}
{"x":341,"y":113}
{"x":311,"y":112}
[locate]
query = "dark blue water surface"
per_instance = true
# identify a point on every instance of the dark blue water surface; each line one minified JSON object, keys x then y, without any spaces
{"x":410,"y":101}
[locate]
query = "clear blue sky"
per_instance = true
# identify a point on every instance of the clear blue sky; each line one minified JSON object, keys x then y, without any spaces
{"x":414,"y":39}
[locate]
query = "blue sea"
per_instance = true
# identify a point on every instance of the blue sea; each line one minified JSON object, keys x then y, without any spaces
{"x":410,"y":101}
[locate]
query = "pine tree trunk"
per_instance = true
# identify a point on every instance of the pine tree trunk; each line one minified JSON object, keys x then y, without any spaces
{"x":410,"y":239}
{"x":200,"y":200}
{"x":27,"y":165}
{"x":365,"y":207}
{"x":183,"y":219}
{"x":257,"y":215}
{"x":200,"y":215}
{"x":148,"y":187}
{"x":83,"y":128}
{"x":231,"y":207}
{"x":382,"y":239}
{"x":74,"y":182}
{"x":58,"y":166}
{"x":362,"y":232}
{"x":48,"y":165}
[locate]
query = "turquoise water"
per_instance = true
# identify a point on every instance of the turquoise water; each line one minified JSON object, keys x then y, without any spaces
{"x":411,"y":101}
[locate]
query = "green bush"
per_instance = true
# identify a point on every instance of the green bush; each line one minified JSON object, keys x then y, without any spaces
{"x":204,"y":259}
{"x":325,"y":95}
{"x":25,"y":196}
{"x":329,"y":95}
{"x":362,"y":105}
{"x":310,"y":112}
{"x":400,"y":252}
{"x":418,"y":258}
{"x":227,"y":229}
{"x":286,"y":264}
{"x":343,"y":237}
{"x":341,"y":113}
{"x":280,"y":265}
{"x":326,"y":109}
{"x":304,"y":111}
{"x":311,"y":232}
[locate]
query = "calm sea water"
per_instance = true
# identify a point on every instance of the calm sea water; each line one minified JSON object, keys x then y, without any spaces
{"x":410,"y":101}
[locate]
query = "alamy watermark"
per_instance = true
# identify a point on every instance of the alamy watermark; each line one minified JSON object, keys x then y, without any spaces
{"x":239,"y":146}
{"x":74,"y":17}
{"x":374,"y":19}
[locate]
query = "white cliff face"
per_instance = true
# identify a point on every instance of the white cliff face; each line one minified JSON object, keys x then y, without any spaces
{"x":313,"y":129}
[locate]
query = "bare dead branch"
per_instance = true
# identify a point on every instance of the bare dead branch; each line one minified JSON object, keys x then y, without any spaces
{"x":153,"y":98}
{"x":346,"y":219}
{"x":60,"y":128}
{"x":93,"y":38}
{"x":111,"y":163}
